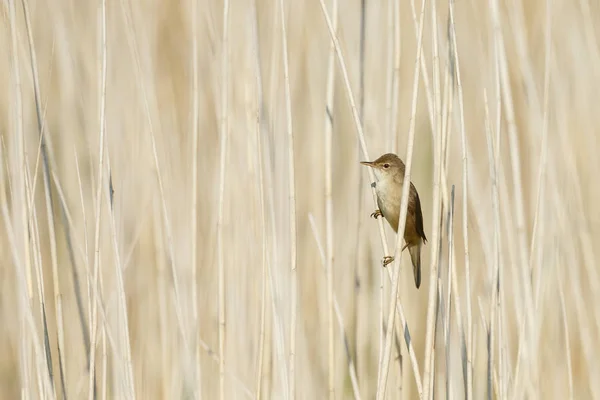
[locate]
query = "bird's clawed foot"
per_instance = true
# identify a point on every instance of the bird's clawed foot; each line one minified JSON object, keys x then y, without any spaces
{"x":376,"y":214}
{"x":387,"y":260}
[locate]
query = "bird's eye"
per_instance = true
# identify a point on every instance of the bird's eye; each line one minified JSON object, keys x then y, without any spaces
{"x":386,"y":166}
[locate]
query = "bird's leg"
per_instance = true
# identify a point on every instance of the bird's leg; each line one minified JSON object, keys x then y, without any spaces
{"x":387,"y":260}
{"x":377,"y":213}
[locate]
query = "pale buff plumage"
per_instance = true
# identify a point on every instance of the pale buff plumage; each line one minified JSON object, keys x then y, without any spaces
{"x":391,"y":170}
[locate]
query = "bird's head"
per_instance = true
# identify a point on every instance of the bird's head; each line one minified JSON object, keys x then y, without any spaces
{"x":388,"y":165}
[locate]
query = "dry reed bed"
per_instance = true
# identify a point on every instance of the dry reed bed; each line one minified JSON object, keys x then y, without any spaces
{"x":159,"y":160}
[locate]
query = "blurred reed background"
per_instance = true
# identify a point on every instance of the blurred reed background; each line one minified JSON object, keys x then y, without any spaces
{"x":153,"y":228}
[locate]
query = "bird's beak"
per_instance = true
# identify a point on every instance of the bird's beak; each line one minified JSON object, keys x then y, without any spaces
{"x":367,"y":163}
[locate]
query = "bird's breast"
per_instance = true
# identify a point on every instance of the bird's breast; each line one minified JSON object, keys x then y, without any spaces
{"x":388,"y":196}
{"x":389,"y":193}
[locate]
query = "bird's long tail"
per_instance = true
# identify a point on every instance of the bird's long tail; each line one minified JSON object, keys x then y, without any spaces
{"x":415,"y":256}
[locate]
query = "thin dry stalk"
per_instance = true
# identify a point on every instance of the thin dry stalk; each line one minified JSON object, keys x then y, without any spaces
{"x":55,"y":278}
{"x":563,"y":310}
{"x":498,"y":272}
{"x":363,"y":35}
{"x":391,"y":136}
{"x":261,"y":195}
{"x":20,"y":168}
{"x":104,"y":364}
{"x":268,"y":348}
{"x":428,"y":374}
{"x":279,"y":339}
{"x":539,"y":231}
{"x":21,"y":152}
{"x":544,"y":147}
{"x":465,"y":195}
{"x":194,"y":211}
{"x":122,"y":302}
{"x":104,"y":357}
{"x":447,"y":108}
{"x":395,"y":75}
{"x":448,"y":310}
{"x":358,"y":294}
{"x":292,"y":194}
{"x":19,"y":205}
{"x":68,"y":218}
{"x":363,"y":147}
{"x":394,"y":85}
{"x":496,"y":265}
{"x":436,"y":128}
{"x":102,"y":132}
{"x":222,"y":167}
{"x":35,"y":239}
{"x":163,"y":313}
{"x":486,"y":330}
{"x":329,"y":202}
{"x":37,"y":261}
{"x":84,"y":255}
{"x":92,"y":287}
{"x":437,"y":98}
{"x":264,"y":276}
{"x":382,"y":381}
{"x":381,"y":318}
{"x":448,"y":205}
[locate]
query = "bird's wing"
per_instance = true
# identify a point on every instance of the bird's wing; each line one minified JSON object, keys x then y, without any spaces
{"x":418,"y":214}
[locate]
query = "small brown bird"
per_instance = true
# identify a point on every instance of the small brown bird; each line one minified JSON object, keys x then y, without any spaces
{"x":390,"y":169}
